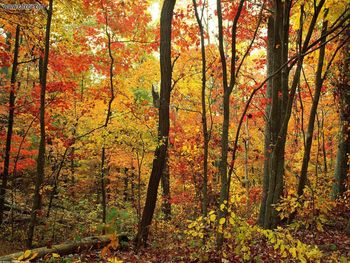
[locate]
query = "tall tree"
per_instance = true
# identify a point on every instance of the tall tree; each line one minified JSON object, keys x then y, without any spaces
{"x":199,"y":18}
{"x":267,"y":132}
{"x":281,"y":106}
{"x":313,"y":112}
{"x":41,"y":155}
{"x":108,"y":117}
{"x":228,"y":85}
{"x":278,"y":104}
{"x":163,"y":121}
{"x":5,"y":173}
{"x":342,"y":169}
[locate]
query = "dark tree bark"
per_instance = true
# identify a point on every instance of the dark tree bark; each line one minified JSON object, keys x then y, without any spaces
{"x":41,"y":154}
{"x":267,"y":132}
{"x":103,"y":187}
{"x":279,"y":86}
{"x":341,"y":172}
{"x":163,"y":122}
{"x":165,"y":181}
{"x":281,"y":106}
{"x":55,"y":184}
{"x":228,"y":87}
{"x":104,"y":169}
{"x":5,"y":173}
{"x":310,"y":129}
{"x":199,"y":19}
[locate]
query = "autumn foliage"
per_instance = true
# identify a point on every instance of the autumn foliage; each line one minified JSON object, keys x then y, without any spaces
{"x":103,"y":102}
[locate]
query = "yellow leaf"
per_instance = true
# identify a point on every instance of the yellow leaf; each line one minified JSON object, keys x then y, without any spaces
{"x":282,"y":248}
{"x":227,"y":235}
{"x":293,"y":252}
{"x":222,"y":207}
{"x":26,"y":254}
{"x":222,"y":220}
{"x":246,"y":257}
{"x":302,"y":259}
{"x":212,"y":217}
{"x":20,"y":258}
{"x":319,"y":226}
{"x":33,"y":256}
{"x":55,"y":255}
{"x":231,"y":221}
{"x":114,"y":260}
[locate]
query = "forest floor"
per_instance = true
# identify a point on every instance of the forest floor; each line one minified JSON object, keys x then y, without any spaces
{"x":168,"y":244}
{"x":166,"y":247}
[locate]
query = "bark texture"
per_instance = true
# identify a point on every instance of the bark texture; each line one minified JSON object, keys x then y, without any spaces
{"x":5,"y":173}
{"x":341,"y":172}
{"x":41,"y":155}
{"x":163,"y":121}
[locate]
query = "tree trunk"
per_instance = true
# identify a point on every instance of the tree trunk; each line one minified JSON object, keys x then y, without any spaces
{"x":310,"y":129}
{"x":282,"y":107}
{"x":204,"y":113}
{"x":276,"y":111}
{"x":267,"y":133}
{"x":163,"y":122}
{"x":5,"y":174}
{"x":55,"y":185}
{"x":103,"y":187}
{"x":228,"y":87}
{"x":41,"y":154}
{"x":103,"y":170}
{"x":165,"y":181}
{"x":341,"y":172}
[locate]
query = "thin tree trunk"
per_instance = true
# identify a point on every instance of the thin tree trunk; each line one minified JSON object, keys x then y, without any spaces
{"x":41,"y":154}
{"x":163,"y":124}
{"x":228,"y":87}
{"x":310,"y":129}
{"x":56,"y":178}
{"x":103,"y":187}
{"x":204,"y":112}
{"x":165,"y":181}
{"x":246,"y":165}
{"x":5,"y":174}
{"x":103,"y":181}
{"x":324,"y":152}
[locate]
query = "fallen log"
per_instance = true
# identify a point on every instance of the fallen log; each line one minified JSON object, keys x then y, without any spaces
{"x":63,"y":248}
